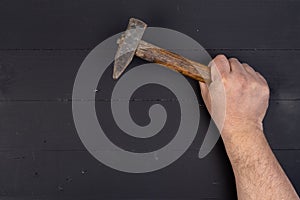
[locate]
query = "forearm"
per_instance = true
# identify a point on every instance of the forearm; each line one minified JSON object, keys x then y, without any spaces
{"x":237,"y":99}
{"x":257,"y":172}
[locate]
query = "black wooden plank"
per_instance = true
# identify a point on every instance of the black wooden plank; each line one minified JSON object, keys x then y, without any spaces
{"x":50,"y":126}
{"x":60,"y":174}
{"x":75,"y":174}
{"x":81,"y":24}
{"x":36,"y":75}
{"x":42,"y":157}
{"x":49,"y":75}
{"x":281,"y":124}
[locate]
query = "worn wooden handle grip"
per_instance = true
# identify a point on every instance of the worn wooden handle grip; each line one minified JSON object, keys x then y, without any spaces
{"x":173,"y":61}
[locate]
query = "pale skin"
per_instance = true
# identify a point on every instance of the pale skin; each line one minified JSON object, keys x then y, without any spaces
{"x":239,"y":117}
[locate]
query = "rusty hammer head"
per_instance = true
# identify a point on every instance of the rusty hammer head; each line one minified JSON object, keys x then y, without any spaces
{"x":128,"y":44}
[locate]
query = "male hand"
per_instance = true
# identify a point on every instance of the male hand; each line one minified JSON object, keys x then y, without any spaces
{"x":237,"y":97}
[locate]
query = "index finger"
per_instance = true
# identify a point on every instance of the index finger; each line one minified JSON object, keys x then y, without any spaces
{"x":220,"y":67}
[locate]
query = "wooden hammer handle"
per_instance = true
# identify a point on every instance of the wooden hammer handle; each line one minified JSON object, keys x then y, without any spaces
{"x":173,"y":61}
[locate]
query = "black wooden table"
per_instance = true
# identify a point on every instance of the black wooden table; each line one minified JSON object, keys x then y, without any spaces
{"x":42,"y":45}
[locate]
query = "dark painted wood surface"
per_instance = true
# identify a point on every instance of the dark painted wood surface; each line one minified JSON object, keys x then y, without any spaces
{"x":42,"y":45}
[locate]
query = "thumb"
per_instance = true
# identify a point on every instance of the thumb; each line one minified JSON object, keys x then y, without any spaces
{"x":204,"y":89}
{"x":205,"y":95}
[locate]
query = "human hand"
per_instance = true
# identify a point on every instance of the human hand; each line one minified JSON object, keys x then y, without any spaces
{"x":237,"y":98}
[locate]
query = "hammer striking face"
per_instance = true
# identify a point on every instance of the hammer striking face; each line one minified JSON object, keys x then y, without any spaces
{"x":130,"y":44}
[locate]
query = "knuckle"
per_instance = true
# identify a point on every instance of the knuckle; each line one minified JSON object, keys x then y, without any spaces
{"x":220,"y":57}
{"x":247,"y":66}
{"x":233,"y":59}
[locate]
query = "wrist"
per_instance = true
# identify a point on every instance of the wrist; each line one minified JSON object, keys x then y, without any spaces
{"x":241,"y":142}
{"x":236,"y":128}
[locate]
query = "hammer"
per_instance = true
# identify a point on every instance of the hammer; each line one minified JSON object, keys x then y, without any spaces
{"x":131,"y":43}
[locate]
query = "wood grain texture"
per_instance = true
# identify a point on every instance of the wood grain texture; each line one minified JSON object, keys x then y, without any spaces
{"x":173,"y":61}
